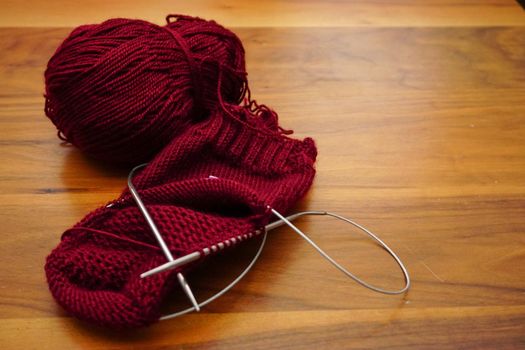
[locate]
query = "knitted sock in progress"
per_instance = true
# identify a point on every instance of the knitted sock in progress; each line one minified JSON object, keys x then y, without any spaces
{"x":212,"y":183}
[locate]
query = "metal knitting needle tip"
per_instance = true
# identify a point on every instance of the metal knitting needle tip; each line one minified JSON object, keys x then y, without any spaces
{"x":170,"y":265}
{"x":186,"y":288}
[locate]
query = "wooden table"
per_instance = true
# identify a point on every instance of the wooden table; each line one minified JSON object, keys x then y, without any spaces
{"x":418,"y":112}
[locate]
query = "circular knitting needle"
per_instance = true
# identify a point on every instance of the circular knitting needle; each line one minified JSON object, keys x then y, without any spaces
{"x":287,"y":221}
{"x":163,"y":246}
{"x":183,"y":260}
{"x":173,"y":263}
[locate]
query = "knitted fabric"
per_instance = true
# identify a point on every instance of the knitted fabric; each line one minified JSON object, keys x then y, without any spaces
{"x":213,"y":183}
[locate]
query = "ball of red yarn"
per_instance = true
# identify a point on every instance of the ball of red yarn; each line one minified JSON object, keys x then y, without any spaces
{"x":121,"y":90}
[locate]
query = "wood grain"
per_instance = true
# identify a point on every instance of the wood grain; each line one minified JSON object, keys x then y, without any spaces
{"x":421,"y":136}
{"x":269,"y":13}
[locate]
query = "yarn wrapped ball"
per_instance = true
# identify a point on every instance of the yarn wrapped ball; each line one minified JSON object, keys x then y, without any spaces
{"x":122,"y":89}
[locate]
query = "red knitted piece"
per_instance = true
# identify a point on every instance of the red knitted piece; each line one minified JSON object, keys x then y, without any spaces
{"x":121,"y":90}
{"x":213,"y":182}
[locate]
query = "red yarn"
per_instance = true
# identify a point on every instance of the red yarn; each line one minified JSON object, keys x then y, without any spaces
{"x":94,"y":272}
{"x":122,"y":89}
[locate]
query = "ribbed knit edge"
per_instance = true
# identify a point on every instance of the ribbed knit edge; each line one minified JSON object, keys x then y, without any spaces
{"x":263,"y":150}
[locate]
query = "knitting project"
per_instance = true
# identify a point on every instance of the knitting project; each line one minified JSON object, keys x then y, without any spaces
{"x":212,"y":183}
